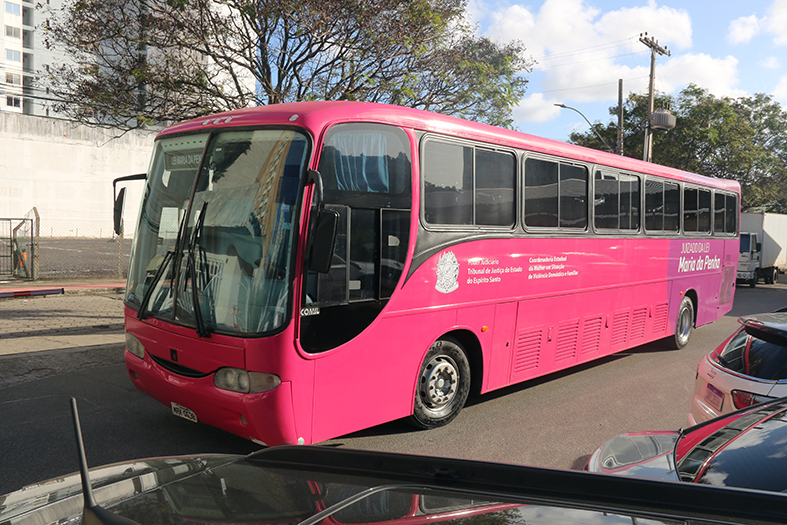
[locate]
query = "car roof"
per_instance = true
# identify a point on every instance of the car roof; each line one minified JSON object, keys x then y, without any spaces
{"x":747,"y":451}
{"x":771,"y":326}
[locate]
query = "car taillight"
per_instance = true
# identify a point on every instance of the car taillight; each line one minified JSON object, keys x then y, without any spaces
{"x":743,"y":399}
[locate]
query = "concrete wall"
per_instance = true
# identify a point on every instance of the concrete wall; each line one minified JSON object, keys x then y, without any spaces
{"x":65,"y":170}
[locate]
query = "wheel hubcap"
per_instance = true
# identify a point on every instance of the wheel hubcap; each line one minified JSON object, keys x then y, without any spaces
{"x":438,"y":382}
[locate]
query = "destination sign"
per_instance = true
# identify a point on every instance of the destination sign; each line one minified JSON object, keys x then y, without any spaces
{"x":182,"y":160}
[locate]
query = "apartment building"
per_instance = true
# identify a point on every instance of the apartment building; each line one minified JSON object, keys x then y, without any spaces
{"x":23,"y":56}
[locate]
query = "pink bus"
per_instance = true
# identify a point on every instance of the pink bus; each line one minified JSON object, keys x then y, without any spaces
{"x":302,"y":271}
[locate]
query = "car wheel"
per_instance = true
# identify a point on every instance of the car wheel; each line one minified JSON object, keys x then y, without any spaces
{"x":684,"y":325}
{"x":443,"y":385}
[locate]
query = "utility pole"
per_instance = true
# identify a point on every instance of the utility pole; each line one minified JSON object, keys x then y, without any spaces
{"x":654,"y":46}
{"x":620,"y":117}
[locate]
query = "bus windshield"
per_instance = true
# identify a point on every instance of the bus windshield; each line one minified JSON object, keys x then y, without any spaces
{"x":222,"y":206}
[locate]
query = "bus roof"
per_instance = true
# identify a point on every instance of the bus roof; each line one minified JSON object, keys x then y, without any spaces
{"x":318,"y":115}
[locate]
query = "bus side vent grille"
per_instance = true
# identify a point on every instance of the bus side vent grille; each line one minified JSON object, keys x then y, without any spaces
{"x":591,"y":334}
{"x":567,"y":338}
{"x":528,"y":350}
{"x":660,"y":318}
{"x":638,"y":321}
{"x":620,"y":325}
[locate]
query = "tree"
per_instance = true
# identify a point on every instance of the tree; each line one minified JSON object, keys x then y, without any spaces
{"x":136,"y":62}
{"x":742,"y":139}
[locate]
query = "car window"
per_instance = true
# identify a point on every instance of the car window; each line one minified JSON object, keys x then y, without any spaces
{"x":754,"y":357}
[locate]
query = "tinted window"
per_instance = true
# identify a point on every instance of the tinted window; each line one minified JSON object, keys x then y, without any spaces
{"x":616,"y":201}
{"x":495,"y":176}
{"x":541,"y":200}
{"x":725,"y":213}
{"x":749,"y":355}
{"x":464,"y":185}
{"x":696,"y":210}
{"x":555,"y":194}
{"x":662,"y":206}
{"x":448,"y":183}
{"x":573,"y":196}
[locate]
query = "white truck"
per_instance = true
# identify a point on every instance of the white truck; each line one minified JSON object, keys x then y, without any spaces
{"x":763,"y":252}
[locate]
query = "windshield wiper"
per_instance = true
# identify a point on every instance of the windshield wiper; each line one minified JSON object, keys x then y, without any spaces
{"x":143,"y":305}
{"x":191,"y":271}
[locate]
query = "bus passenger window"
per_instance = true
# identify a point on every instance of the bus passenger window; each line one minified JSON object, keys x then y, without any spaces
{"x":495,"y":176}
{"x":555,"y":194}
{"x":629,"y":202}
{"x":573,"y":196}
{"x":671,"y":207}
{"x":448,"y":183}
{"x":690,"y":209}
{"x":541,"y":193}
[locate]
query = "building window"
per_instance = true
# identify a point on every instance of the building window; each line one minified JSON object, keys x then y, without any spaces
{"x":14,"y":9}
{"x":12,"y":54}
{"x":13,"y":78}
{"x":14,"y":102}
{"x":13,"y":32}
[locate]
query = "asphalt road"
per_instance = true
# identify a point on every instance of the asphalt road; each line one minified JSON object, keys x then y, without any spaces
{"x":555,"y":421}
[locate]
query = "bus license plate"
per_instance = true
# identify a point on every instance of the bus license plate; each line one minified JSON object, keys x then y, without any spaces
{"x":714,"y":396}
{"x":185,"y":413}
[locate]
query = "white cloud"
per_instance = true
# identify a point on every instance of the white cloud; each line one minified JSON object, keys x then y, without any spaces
{"x":535,"y":108}
{"x":771,"y":63}
{"x":581,"y":52}
{"x":780,"y":91}
{"x":743,"y":29}
{"x":777,"y":20}
{"x":717,"y":75}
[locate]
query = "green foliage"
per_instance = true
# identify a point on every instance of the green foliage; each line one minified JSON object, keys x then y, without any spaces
{"x":163,"y":60}
{"x":743,"y":139}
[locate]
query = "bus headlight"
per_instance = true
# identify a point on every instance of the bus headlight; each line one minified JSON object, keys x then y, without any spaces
{"x":134,"y":346}
{"x":238,"y":380}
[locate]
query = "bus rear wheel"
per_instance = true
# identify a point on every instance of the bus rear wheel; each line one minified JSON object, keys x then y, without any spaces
{"x":443,"y":385}
{"x":684,"y":325}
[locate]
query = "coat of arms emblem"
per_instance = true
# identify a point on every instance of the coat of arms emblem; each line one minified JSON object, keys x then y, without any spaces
{"x":447,"y":273}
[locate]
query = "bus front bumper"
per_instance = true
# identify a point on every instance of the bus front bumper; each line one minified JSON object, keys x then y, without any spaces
{"x":266,"y":418}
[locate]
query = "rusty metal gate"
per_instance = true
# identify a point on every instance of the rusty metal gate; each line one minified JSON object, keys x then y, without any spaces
{"x":17,"y":249}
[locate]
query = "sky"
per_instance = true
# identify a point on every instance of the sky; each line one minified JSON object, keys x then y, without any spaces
{"x":581,"y":48}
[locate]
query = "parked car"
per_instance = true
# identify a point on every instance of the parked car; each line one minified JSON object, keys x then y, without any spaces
{"x":745,"y":449}
{"x":311,"y":485}
{"x":748,"y":368}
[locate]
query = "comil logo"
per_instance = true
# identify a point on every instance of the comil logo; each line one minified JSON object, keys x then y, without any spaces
{"x":447,"y":273}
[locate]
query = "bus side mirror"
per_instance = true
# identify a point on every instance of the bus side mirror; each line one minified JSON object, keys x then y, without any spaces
{"x":120,"y":202}
{"x":324,"y":241}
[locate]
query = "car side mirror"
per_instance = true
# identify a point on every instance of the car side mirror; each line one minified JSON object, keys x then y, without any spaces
{"x":120,"y":202}
{"x":324,"y":241}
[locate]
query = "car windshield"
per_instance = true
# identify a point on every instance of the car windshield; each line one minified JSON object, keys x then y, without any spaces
{"x":246,"y":492}
{"x":754,"y":353}
{"x":745,"y":243}
{"x":214,"y":242}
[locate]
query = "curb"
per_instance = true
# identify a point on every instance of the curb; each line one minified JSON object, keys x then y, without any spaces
{"x":21,"y":368}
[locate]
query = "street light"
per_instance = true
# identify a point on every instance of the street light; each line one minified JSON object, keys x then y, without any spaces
{"x":589,"y":124}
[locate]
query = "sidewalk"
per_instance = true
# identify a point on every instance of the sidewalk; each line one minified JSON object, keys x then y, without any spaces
{"x":88,"y":313}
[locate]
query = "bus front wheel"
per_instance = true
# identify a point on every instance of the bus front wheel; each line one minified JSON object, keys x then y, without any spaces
{"x":443,"y":385}
{"x":684,"y":325}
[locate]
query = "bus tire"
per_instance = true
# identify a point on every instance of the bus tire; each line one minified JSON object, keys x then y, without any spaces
{"x":753,"y":281}
{"x":684,"y":325}
{"x":443,"y":385}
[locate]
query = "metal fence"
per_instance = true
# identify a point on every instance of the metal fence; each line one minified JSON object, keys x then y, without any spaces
{"x":64,"y":249}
